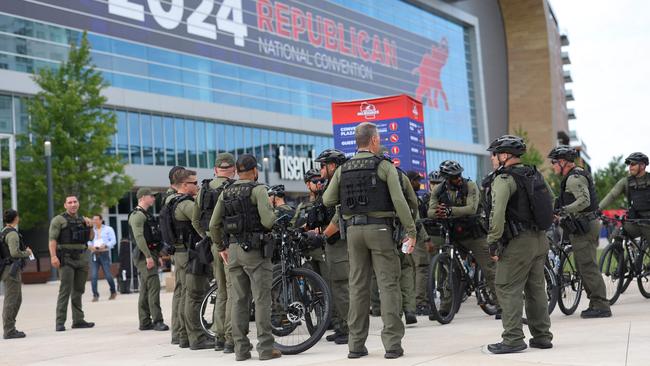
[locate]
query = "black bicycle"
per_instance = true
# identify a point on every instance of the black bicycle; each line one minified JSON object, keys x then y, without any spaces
{"x":454,"y":274}
{"x":567,"y":277}
{"x":624,"y":259}
{"x":301,"y":308}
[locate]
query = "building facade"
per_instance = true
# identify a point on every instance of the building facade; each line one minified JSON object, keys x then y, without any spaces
{"x":192,"y":78}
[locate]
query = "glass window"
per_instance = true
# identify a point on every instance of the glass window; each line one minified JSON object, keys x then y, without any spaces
{"x":211,"y":141}
{"x":158,"y":139}
{"x":229,"y":135}
{"x":201,"y":147}
{"x":258,"y":144}
{"x":122,"y":136}
{"x":170,"y":144}
{"x":190,"y":139}
{"x":181,"y":154}
{"x":6,"y":114}
{"x":147,"y":140}
{"x":221,"y":138}
{"x":237,"y":138}
{"x":134,"y":138}
{"x":246,"y":141}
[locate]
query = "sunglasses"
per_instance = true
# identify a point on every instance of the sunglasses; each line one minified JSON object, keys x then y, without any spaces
{"x":554,"y":161}
{"x":317,"y":180}
{"x":194,"y":182}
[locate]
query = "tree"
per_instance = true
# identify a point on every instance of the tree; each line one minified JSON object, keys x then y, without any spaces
{"x":68,"y":112}
{"x":605,"y":179}
{"x":532,"y":155}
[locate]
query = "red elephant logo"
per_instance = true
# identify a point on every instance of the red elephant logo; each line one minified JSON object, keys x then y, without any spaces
{"x":429,"y":70}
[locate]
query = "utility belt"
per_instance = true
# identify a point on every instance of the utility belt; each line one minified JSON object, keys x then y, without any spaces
{"x":578,"y":224}
{"x":512,"y":229}
{"x":367,"y":220}
{"x":264,"y":242}
{"x":64,"y":253}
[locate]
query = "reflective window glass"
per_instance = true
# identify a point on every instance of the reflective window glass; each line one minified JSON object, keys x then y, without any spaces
{"x":6,"y":114}
{"x":181,"y":153}
{"x":170,"y":141}
{"x":159,"y":139}
{"x":211,"y":141}
{"x":122,"y":136}
{"x":147,"y":140}
{"x":134,"y":138}
{"x":201,"y":149}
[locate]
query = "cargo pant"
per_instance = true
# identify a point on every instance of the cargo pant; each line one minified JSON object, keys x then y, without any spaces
{"x":371,"y":247}
{"x":195,"y":287}
{"x":13,"y":299}
{"x":406,"y":285}
{"x":585,"y":254}
{"x":519,"y":271}
{"x":251,"y":275}
{"x":338,"y":265}
{"x":178,"y":300}
{"x":222,"y":308}
{"x":73,"y":275}
{"x":421,"y":261}
{"x":149,"y":293}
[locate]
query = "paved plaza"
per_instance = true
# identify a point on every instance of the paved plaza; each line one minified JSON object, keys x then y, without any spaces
{"x":621,"y":340}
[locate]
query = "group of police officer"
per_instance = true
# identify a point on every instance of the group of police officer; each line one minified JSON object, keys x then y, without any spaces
{"x":363,"y":216}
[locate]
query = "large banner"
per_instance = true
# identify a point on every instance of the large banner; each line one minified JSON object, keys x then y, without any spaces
{"x":400,"y":123}
{"x":314,"y":40}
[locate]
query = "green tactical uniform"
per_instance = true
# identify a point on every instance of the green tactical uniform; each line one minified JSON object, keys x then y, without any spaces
{"x":180,"y":258}
{"x":421,"y":262}
{"x":222,"y":308}
{"x":623,"y":187}
{"x":14,"y":247}
{"x":371,"y":245}
{"x":74,"y":258}
{"x":520,"y":269}
{"x":578,"y":198}
{"x":463,"y":204}
{"x":193,"y":284}
{"x":315,"y":258}
{"x":250,"y":273}
{"x":149,"y":311}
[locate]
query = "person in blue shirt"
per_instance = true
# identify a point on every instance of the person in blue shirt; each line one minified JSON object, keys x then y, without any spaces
{"x":100,"y":247}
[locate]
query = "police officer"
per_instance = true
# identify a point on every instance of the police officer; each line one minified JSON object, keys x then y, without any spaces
{"x":69,"y":234}
{"x":193,"y":274}
{"x":179,"y":258}
{"x":171,"y":190}
{"x":206,"y":200}
{"x":577,"y":205}
{"x":520,"y":263}
{"x":369,"y":210}
{"x":244,"y":217}
{"x":423,"y":251}
{"x":459,"y":198}
{"x":636,"y":188}
{"x":13,"y":252}
{"x":276,"y":199}
{"x":144,"y":230}
{"x":336,"y":251}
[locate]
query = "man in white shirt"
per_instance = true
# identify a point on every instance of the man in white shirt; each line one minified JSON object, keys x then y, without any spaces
{"x":101,"y":245}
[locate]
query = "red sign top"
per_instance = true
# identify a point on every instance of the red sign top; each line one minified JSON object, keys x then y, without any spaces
{"x":378,"y":109}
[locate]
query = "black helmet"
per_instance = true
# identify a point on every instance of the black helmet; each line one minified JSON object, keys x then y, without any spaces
{"x":311,"y":173}
{"x":510,"y":144}
{"x":331,"y":156}
{"x":277,"y":190}
{"x":435,"y":177}
{"x":637,"y":157}
{"x":565,"y":152}
{"x":450,"y":168}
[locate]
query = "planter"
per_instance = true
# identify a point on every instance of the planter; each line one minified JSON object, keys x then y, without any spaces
{"x":35,"y":277}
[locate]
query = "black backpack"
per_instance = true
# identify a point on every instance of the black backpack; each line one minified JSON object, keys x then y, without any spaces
{"x":539,"y":196}
{"x":166,"y":219}
{"x":209,"y":198}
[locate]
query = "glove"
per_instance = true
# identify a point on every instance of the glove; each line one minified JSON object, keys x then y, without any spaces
{"x":493,"y":249}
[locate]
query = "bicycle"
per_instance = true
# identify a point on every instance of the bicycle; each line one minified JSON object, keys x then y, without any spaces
{"x":565,"y":270}
{"x":450,"y":279}
{"x":624,"y":259}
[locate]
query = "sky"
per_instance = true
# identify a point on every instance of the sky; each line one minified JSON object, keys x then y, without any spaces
{"x":610,"y":66}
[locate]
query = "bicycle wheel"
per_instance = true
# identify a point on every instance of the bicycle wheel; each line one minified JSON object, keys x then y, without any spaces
{"x":643,"y":276}
{"x":612,"y":266}
{"x":207,"y":310}
{"x":485,"y":297}
{"x":569,"y":283}
{"x":301,"y":310}
{"x":443,"y":289}
{"x":551,"y":286}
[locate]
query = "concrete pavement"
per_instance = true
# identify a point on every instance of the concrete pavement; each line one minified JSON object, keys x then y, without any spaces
{"x":115,"y":340}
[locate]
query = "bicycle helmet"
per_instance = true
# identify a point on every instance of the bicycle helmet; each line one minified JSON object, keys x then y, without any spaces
{"x":450,"y":168}
{"x":331,"y":156}
{"x":637,"y":157}
{"x":435,"y":177}
{"x":277,"y":190}
{"x":565,"y":152}
{"x":510,"y":144}
{"x":311,"y":173}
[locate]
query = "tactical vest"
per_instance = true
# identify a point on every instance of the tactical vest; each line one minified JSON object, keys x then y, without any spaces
{"x":423,"y":205}
{"x":566,"y":198}
{"x":241,"y":217}
{"x":443,"y":195}
{"x":5,"y":254}
{"x":75,"y":232}
{"x":209,"y":198}
{"x":360,"y":189}
{"x":284,"y":210}
{"x":638,"y":195}
{"x":183,"y":229}
{"x":518,"y":208}
{"x":151,"y":229}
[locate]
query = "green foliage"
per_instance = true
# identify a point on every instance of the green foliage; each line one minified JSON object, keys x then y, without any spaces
{"x":532,"y":155}
{"x":68,"y":111}
{"x":605,"y":179}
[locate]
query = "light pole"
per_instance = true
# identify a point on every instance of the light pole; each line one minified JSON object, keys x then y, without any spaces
{"x":47,"y":147}
{"x":265,"y":164}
